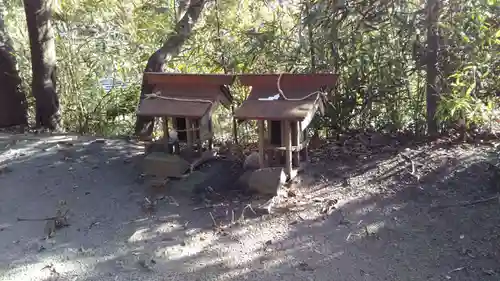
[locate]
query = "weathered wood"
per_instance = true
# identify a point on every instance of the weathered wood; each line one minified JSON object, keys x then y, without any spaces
{"x":288,"y":144}
{"x":301,"y":146}
{"x":296,"y":141}
{"x":189,"y":133}
{"x":165,"y":133}
{"x":306,"y":147}
{"x":269,"y":131}
{"x":262,"y":163}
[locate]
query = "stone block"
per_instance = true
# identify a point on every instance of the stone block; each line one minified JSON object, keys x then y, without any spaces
{"x":267,"y":180}
{"x":251,"y":161}
{"x":162,"y":165}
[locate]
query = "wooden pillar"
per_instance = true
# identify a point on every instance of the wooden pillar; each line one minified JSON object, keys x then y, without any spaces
{"x":189,"y":133}
{"x":165,"y":133}
{"x":211,"y":130}
{"x":269,"y":131}
{"x":297,"y":141}
{"x":288,"y":145}
{"x":262,"y":163}
{"x":306,"y":148}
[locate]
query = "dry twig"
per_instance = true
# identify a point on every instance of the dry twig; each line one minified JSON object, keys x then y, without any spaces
{"x":213,"y":219}
{"x":468,"y":203}
{"x":242,"y":216}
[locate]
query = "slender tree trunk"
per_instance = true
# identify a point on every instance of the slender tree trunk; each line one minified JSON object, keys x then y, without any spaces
{"x":13,"y":106}
{"x":310,"y":33}
{"x":43,"y":62}
{"x":432,"y":64}
{"x":171,"y":48}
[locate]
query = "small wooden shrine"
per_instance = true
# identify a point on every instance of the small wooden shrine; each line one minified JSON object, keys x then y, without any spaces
{"x":189,"y":100}
{"x":284,"y":105}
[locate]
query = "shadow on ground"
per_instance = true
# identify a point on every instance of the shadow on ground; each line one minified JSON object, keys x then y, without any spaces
{"x":391,"y":223}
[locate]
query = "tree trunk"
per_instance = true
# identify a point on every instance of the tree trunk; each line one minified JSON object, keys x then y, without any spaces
{"x":13,"y":106}
{"x":43,"y":62}
{"x":432,"y":61}
{"x":171,"y":47}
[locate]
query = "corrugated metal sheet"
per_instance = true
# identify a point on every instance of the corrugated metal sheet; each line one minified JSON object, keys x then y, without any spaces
{"x":185,"y":86}
{"x":276,"y":110}
{"x":172,"y":108}
{"x":294,"y":86}
{"x":301,"y":92}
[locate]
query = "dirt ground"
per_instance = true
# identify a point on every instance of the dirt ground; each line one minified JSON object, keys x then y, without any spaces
{"x":391,"y":221}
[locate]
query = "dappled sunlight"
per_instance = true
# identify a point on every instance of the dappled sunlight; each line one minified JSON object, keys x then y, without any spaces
{"x":42,"y":269}
{"x":370,"y":227}
{"x":140,"y":235}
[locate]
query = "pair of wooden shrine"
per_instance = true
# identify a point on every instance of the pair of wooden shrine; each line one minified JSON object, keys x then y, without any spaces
{"x":283,"y":104}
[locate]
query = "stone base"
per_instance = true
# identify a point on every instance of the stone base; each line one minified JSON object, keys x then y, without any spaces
{"x":162,"y":165}
{"x":267,"y":180}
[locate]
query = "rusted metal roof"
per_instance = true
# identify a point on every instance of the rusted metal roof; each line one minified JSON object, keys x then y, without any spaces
{"x":191,"y":88}
{"x":303,"y":98}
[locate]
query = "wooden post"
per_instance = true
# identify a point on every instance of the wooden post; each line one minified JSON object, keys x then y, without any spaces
{"x":296,"y":154}
{"x":189,"y":133}
{"x":270,"y":153}
{"x":288,"y":144}
{"x":306,"y":148}
{"x":261,"y":144}
{"x":165,"y":133}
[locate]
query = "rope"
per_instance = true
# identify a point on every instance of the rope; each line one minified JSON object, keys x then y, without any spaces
{"x":278,"y":85}
{"x":157,"y":96}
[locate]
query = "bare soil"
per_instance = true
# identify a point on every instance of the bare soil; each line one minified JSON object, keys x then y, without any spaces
{"x":360,"y":212}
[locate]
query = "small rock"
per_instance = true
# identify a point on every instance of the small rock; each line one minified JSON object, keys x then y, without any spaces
{"x":99,"y":141}
{"x":269,"y":242}
{"x":41,"y":248}
{"x":251,"y":161}
{"x":329,"y":206}
{"x":291,"y":193}
{"x":65,"y":144}
{"x":267,"y":180}
{"x":5,"y":169}
{"x":489,"y":272}
{"x":144,"y":264}
{"x":304,"y":267}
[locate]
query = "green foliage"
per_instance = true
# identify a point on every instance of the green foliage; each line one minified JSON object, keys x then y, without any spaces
{"x":377,"y":47}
